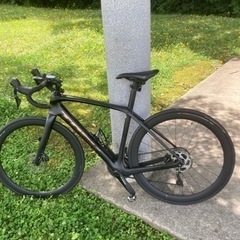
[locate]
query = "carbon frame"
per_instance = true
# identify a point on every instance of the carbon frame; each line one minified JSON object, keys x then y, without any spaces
{"x":58,"y":109}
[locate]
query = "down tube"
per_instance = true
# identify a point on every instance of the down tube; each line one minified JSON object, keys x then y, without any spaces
{"x":85,"y":135}
{"x":116,"y":107}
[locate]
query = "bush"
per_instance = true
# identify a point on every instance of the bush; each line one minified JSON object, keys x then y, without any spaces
{"x":217,"y":7}
{"x":56,"y":3}
{"x":206,"y":7}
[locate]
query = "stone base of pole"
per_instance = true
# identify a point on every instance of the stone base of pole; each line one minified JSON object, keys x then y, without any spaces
{"x":126,"y":26}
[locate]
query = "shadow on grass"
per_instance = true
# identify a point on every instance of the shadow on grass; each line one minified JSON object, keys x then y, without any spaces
{"x":211,"y":36}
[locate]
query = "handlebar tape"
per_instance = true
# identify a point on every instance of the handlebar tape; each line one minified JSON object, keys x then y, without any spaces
{"x":28,"y":91}
{"x":17,"y":85}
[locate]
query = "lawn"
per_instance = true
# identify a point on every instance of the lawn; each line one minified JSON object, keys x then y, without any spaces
{"x":69,"y":44}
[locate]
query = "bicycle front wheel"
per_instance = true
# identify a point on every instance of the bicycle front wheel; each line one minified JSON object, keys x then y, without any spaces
{"x":200,"y":142}
{"x":61,"y":165}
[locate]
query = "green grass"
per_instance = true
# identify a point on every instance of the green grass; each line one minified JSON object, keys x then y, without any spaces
{"x":187,"y":49}
{"x":69,"y":43}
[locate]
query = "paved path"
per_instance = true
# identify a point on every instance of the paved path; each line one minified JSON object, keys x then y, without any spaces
{"x":214,"y":219}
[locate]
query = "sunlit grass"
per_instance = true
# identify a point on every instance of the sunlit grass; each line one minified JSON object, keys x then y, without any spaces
{"x":69,"y":44}
{"x":193,"y":45}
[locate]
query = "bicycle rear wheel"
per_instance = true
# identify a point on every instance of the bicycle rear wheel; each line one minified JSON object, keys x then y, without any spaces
{"x":202,"y":144}
{"x":61,"y":165}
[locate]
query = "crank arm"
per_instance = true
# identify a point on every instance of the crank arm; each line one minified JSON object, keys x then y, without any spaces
{"x":127,"y":186}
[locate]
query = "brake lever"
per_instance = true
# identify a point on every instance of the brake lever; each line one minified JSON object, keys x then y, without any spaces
{"x":35,"y":72}
{"x":17,"y":99}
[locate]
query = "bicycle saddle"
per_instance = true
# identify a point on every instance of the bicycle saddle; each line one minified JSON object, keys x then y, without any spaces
{"x":140,"y":77}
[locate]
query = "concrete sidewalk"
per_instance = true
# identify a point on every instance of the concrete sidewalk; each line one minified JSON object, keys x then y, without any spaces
{"x":214,"y":219}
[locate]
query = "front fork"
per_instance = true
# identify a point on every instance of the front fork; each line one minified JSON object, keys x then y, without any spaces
{"x":44,"y":139}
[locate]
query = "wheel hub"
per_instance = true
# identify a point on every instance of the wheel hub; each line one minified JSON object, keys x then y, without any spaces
{"x":184,"y":156}
{"x":29,"y":161}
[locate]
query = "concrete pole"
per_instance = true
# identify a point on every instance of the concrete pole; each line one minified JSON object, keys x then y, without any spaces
{"x":126,"y":26}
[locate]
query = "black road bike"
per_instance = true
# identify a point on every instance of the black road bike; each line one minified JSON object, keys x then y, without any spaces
{"x":179,"y":156}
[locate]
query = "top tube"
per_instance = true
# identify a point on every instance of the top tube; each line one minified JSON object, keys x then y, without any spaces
{"x":67,"y":98}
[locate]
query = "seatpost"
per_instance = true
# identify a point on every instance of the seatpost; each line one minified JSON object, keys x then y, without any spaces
{"x":135,"y":87}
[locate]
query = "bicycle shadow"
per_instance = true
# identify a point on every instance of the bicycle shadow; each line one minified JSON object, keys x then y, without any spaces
{"x":229,"y":118}
{"x":216,"y":218}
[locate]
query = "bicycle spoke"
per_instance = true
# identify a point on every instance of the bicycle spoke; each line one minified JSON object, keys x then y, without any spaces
{"x":200,"y":150}
{"x":58,"y":165}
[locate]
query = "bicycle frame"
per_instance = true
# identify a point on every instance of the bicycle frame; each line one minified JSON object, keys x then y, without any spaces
{"x":58,"y":109}
{"x":196,"y":170}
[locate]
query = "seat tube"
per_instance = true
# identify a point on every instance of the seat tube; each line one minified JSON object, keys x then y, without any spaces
{"x":135,"y":87}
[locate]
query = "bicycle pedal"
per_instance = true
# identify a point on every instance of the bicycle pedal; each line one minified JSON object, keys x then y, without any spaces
{"x":131,"y":179}
{"x":132,"y":198}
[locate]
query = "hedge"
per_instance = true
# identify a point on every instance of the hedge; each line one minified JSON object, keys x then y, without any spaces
{"x":230,"y":8}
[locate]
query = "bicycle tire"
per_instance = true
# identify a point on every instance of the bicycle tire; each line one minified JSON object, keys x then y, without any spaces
{"x":202,"y":143}
{"x":60,"y":169}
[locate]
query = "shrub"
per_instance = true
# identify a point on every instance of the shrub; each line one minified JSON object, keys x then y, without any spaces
{"x":56,"y":3}
{"x":207,"y":7}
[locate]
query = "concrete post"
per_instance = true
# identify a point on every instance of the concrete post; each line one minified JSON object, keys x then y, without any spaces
{"x":126,"y":26}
